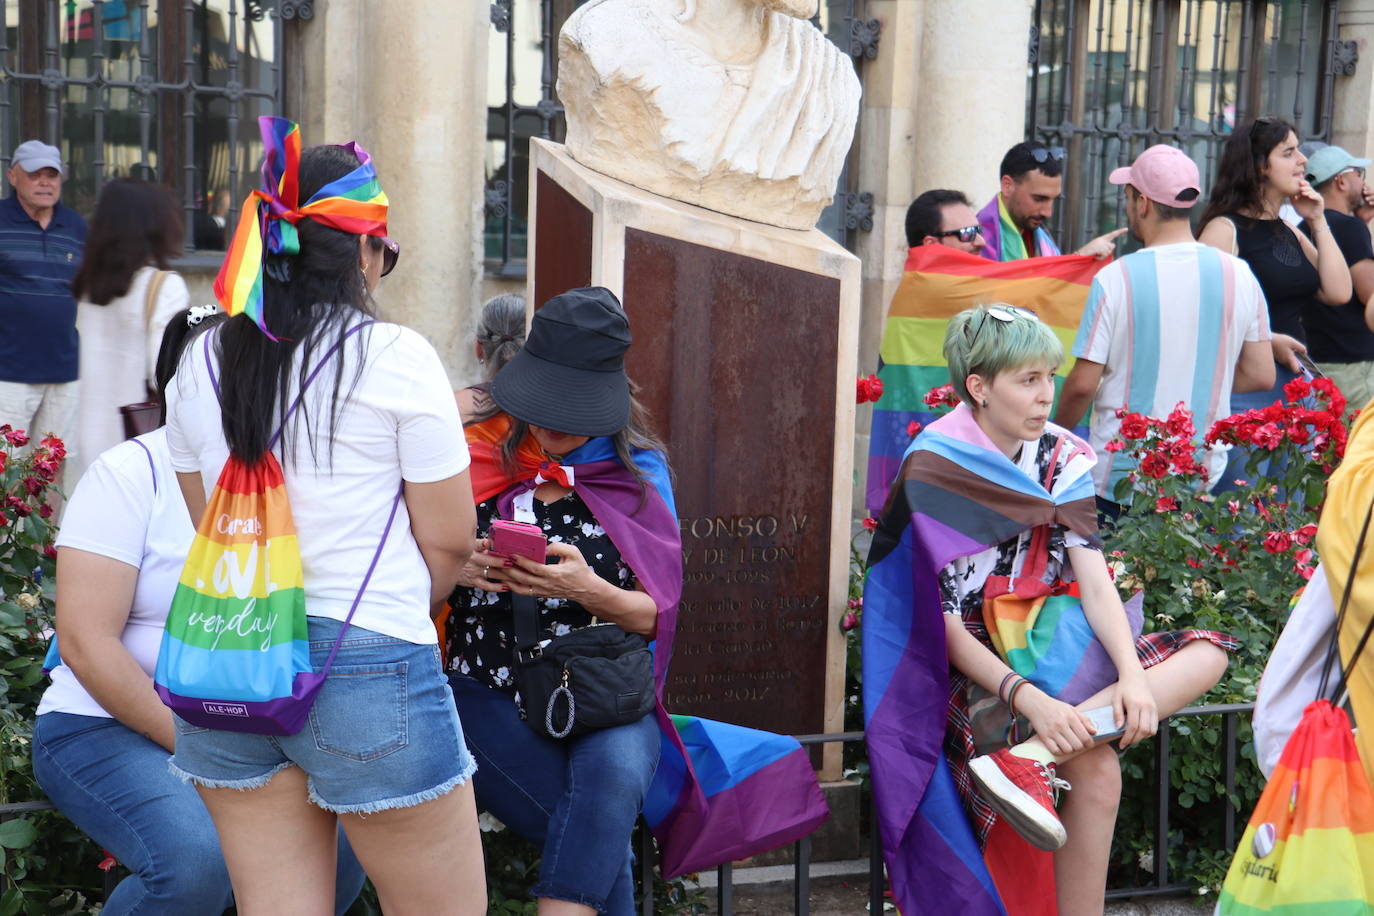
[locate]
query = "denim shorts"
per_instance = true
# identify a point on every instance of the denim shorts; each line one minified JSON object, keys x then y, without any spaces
{"x":383,"y":733}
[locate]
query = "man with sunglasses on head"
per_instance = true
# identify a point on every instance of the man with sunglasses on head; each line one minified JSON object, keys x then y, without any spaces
{"x":1014,"y":220}
{"x":1177,"y":321}
{"x":1339,"y":338}
{"x":943,"y":217}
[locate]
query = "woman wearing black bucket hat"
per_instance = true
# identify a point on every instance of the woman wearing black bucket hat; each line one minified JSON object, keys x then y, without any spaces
{"x":565,"y":448}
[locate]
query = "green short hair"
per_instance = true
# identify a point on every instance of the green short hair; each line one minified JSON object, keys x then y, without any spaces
{"x":976,"y":344}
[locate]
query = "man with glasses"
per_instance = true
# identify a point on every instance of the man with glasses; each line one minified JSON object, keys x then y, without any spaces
{"x":1339,"y":338}
{"x":1177,"y":321}
{"x":1014,"y":220}
{"x":942,"y":217}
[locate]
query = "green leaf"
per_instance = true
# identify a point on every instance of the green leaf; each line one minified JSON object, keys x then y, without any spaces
{"x":17,"y":834}
{"x":12,"y":900}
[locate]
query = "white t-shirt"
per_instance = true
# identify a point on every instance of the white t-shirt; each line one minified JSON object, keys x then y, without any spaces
{"x":1167,"y":324}
{"x":128,"y":508}
{"x":118,"y":361}
{"x":399,"y":420}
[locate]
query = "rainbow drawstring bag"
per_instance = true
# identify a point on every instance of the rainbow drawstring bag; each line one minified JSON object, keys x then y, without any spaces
{"x":235,"y":653}
{"x":1309,"y":846}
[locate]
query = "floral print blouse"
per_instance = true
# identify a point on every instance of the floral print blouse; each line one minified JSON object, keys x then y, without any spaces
{"x":481,"y":628}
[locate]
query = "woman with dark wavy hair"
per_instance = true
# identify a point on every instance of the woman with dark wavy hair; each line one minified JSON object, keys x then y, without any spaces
{"x":382,"y":754}
{"x":126,"y":294}
{"x":1261,"y":168}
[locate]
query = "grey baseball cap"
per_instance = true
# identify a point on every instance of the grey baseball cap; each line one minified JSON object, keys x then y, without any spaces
{"x":32,"y":155}
{"x":1327,"y":163}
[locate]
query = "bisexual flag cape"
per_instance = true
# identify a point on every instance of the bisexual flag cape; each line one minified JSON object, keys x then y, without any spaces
{"x":940,"y":282}
{"x":1002,"y":241}
{"x":957,"y":495}
{"x":721,"y":792}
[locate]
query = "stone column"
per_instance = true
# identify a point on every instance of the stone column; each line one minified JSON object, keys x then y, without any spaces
{"x":405,"y":79}
{"x":943,"y":101}
{"x":1351,"y":124}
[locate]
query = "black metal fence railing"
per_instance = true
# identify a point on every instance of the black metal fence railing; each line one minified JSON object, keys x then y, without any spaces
{"x":1108,"y":78}
{"x":1162,"y":884}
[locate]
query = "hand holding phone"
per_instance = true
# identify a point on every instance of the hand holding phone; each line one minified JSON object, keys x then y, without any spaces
{"x":1308,"y":366}
{"x":1103,"y":719}
{"x":518,"y":539}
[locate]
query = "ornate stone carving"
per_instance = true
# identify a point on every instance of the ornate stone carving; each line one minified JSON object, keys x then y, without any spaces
{"x":740,"y":106}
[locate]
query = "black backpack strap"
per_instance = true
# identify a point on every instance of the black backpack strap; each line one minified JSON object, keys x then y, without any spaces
{"x":526,"y":612}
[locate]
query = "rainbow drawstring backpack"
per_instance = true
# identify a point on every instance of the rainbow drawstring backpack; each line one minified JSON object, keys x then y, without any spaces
{"x":236,"y":649}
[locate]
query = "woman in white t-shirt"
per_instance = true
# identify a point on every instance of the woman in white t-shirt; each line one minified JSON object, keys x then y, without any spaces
{"x":125,"y":297}
{"x":102,"y":739}
{"x":382,"y":754}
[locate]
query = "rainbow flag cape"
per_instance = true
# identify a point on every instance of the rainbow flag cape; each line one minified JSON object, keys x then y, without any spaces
{"x":940,"y":282}
{"x":267,"y":221}
{"x":957,"y":495}
{"x":1002,"y":241}
{"x":1309,"y":846}
{"x":721,"y":792}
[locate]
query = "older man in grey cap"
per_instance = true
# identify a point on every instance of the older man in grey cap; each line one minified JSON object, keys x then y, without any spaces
{"x":40,"y":250}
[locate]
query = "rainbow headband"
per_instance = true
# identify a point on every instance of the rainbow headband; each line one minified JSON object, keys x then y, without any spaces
{"x":354,"y":203}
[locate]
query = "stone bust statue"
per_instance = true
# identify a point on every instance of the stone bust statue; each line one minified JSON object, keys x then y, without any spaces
{"x":739,"y":106}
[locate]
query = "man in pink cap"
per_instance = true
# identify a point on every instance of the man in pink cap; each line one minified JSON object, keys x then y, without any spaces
{"x":1177,"y":321}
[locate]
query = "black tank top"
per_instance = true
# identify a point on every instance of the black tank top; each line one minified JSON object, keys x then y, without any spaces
{"x":1289,"y":281}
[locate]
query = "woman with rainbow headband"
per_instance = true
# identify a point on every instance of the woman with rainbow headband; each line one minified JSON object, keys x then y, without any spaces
{"x":988,"y":601}
{"x":382,"y":754}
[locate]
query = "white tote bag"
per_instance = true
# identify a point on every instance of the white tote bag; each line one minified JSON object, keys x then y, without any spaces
{"x":1293,"y":675}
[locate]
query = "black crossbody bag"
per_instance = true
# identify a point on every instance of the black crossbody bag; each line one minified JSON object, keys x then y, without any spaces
{"x":595,"y":677}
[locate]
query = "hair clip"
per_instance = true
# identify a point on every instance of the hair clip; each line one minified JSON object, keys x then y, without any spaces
{"x":198,"y":313}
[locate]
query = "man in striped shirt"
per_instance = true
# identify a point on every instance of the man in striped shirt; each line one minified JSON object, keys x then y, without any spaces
{"x":1177,"y":321}
{"x":40,"y":250}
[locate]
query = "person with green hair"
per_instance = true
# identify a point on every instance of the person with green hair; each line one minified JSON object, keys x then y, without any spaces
{"x":987,"y":578}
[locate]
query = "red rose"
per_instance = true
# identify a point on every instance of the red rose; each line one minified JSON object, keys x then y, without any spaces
{"x":912,"y":429}
{"x":1115,"y":445}
{"x":1166,"y":504}
{"x":21,"y":508}
{"x":1297,"y":389}
{"x":941,"y":396}
{"x":33,"y":485}
{"x":1180,"y":422}
{"x":868,"y":389}
{"x":1268,"y":436}
{"x":45,"y":511}
{"x":1278,"y":541}
{"x":1195,"y":564}
{"x":1134,"y":426}
{"x":50,"y":552}
{"x":1298,"y":434}
{"x":870,"y":523}
{"x":1305,"y":534}
{"x":849,"y":621}
{"x":1154,"y":465}
{"x":17,"y":437}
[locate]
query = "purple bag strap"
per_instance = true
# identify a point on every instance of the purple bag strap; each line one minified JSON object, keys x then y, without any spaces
{"x":367,"y":577}
{"x":151,"y":466}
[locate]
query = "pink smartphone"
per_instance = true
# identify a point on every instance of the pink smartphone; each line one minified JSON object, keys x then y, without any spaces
{"x":512,"y":539}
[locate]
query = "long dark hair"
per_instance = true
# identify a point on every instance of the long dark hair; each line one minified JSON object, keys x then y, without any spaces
{"x":637,"y":434}
{"x":307,"y":301}
{"x":1240,"y":176}
{"x":135,"y":224}
{"x":178,"y":334}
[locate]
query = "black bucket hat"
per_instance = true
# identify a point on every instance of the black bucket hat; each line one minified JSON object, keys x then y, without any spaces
{"x":570,"y":375}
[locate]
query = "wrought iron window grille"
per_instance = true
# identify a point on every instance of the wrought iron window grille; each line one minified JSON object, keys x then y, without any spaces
{"x":163,"y":89}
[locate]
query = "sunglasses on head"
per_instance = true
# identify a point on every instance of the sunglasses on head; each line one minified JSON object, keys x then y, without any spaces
{"x":966,"y":234}
{"x":1043,"y":154}
{"x":1003,"y":313}
{"x":391,"y":253}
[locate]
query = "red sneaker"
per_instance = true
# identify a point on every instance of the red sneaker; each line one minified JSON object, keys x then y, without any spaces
{"x":1024,"y":792}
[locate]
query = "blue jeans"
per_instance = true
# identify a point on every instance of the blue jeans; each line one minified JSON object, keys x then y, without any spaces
{"x":577,"y":798}
{"x":114,"y":785}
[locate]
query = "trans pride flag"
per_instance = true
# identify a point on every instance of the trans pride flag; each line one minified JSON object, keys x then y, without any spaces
{"x":939,"y":283}
{"x":957,"y":495}
{"x":721,"y":792}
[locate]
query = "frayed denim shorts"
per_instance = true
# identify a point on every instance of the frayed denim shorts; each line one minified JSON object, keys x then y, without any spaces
{"x":383,"y":733}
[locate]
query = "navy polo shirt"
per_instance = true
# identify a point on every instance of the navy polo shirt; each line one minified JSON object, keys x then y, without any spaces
{"x":38,"y":342}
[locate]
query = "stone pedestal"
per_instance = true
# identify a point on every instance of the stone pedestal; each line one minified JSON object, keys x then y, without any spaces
{"x":745,"y":342}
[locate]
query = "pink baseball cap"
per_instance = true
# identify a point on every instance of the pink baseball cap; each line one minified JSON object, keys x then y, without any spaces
{"x":1164,"y":174}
